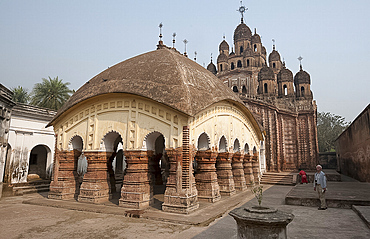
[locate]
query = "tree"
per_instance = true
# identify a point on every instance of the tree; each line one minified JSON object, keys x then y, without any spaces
{"x":329,"y":127}
{"x":51,"y":93}
{"x":20,"y":95}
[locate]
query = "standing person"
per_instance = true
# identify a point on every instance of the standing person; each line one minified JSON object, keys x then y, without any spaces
{"x":303,"y":177}
{"x":320,"y":185}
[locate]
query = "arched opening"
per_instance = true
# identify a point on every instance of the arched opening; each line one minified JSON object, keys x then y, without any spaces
{"x":232,"y":66}
{"x":244,"y":90}
{"x":265,"y":88}
{"x":239,"y":64}
{"x":158,"y":164}
{"x":236,"y":146}
{"x":80,"y":162}
{"x":119,"y":167}
{"x":273,"y":65}
{"x":110,"y":144}
{"x":255,"y":47}
{"x":203,"y":142}
{"x":76,"y":143}
{"x":37,"y":162}
{"x":222,"y":145}
{"x":246,"y":149}
{"x":241,"y":49}
{"x":254,"y":150}
{"x":302,"y":91}
{"x":235,"y":89}
{"x":221,"y":67}
{"x":285,"y":89}
{"x":248,"y":62}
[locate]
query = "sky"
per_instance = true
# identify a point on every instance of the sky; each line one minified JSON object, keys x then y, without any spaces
{"x":76,"y":40}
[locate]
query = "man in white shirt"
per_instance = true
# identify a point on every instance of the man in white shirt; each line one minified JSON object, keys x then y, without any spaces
{"x":320,"y":185}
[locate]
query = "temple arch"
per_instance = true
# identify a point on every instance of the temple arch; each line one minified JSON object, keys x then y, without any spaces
{"x":236,"y":145}
{"x":222,"y":145}
{"x":203,"y":142}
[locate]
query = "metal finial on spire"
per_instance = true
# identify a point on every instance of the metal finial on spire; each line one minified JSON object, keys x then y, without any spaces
{"x":185,"y":42}
{"x":300,"y":58}
{"x":242,"y":9}
{"x":211,"y":57}
{"x":160,"y":31}
{"x":273,"y":44}
{"x":195,"y":56}
{"x":224,"y":36}
{"x":173,"y":39}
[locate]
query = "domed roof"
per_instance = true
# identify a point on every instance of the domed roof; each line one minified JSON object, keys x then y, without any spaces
{"x":274,"y":56}
{"x":221,"y":58}
{"x":162,"y":75}
{"x":263,"y":50}
{"x":266,"y":73}
{"x":224,"y":46}
{"x":248,"y":52}
{"x":242,"y":32}
{"x":212,"y":68}
{"x":256,"y":38}
{"x":302,"y":77}
{"x":285,"y":75}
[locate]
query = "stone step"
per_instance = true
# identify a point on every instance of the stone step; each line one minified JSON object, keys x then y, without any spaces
{"x":18,"y":191}
{"x":277,"y":178}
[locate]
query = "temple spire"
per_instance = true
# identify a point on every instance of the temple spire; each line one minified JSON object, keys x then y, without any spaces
{"x":173,"y":39}
{"x":300,"y":61}
{"x":185,"y":42}
{"x":242,"y":9}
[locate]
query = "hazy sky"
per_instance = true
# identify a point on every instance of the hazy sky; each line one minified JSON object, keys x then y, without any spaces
{"x":76,"y":40}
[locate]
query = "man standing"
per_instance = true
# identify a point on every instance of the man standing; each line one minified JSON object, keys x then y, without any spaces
{"x":320,"y":185}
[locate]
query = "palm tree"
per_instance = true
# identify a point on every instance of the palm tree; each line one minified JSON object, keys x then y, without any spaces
{"x":20,"y":95}
{"x":51,"y":93}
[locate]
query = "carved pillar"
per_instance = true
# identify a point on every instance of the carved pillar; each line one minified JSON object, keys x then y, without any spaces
{"x":63,"y":185}
{"x":255,"y":167}
{"x":225,"y":174}
{"x":96,"y":181}
{"x":248,"y":171}
{"x":136,"y":191}
{"x":176,"y":199}
{"x":238,"y":171}
{"x":206,"y":177}
{"x":181,"y":195}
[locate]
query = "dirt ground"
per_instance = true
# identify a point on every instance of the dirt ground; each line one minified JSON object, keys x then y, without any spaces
{"x":19,"y":220}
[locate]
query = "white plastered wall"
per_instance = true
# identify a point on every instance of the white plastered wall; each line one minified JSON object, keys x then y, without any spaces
{"x":132,"y":117}
{"x":25,"y":134}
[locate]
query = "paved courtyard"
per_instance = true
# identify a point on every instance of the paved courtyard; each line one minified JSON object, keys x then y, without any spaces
{"x":20,"y":220}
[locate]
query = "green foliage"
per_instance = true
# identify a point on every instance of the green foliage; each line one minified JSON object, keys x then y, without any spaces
{"x":51,"y":93}
{"x":20,"y":95}
{"x":329,"y":127}
{"x":257,"y":191}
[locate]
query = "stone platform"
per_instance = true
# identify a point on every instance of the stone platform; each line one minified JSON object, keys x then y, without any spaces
{"x":338,"y":195}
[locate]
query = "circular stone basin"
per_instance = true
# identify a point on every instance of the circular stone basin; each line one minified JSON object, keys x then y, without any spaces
{"x":259,"y":209}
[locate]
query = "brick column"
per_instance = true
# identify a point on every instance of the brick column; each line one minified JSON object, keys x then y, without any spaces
{"x":255,"y":167}
{"x":238,"y":171}
{"x":96,"y":181}
{"x":136,"y":191}
{"x":206,"y":177}
{"x":248,"y":171}
{"x":63,"y":185}
{"x":225,"y":174}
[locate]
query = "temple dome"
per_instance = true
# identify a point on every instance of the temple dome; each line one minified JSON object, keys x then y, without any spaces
{"x":212,"y":68}
{"x":242,"y":32}
{"x":162,"y":75}
{"x":224,"y":46}
{"x":256,"y":38}
{"x":221,"y":58}
{"x":266,"y":73}
{"x":285,"y":75}
{"x":274,"y":56}
{"x":302,"y":77}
